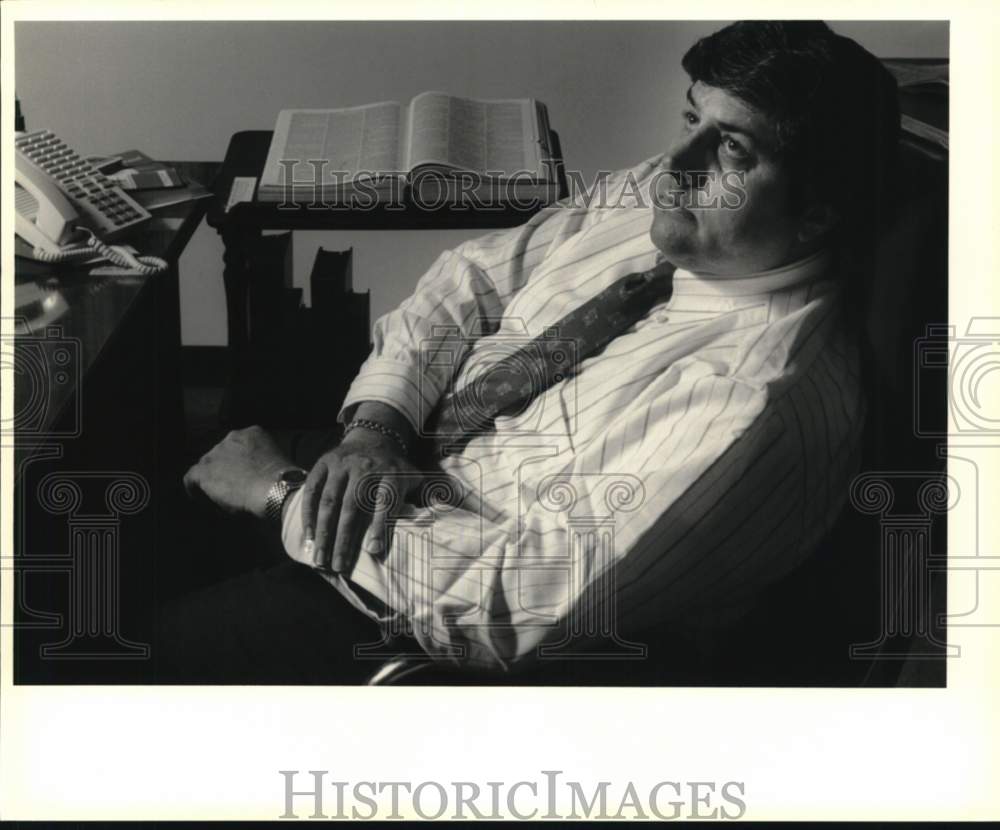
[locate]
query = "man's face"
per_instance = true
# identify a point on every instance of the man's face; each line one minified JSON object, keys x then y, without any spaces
{"x":727,"y":140}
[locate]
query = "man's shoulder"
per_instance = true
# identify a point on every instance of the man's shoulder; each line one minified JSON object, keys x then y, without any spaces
{"x":814,"y":372}
{"x":809,"y":348}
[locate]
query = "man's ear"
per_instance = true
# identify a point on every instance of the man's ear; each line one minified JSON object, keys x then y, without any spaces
{"x":817,"y":220}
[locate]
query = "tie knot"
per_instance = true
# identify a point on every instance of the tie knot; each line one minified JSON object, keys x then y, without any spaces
{"x":660,"y":276}
{"x":634,"y":282}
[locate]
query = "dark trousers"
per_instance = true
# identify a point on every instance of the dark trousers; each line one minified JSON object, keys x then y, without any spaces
{"x":279,"y":625}
{"x":238,"y":610}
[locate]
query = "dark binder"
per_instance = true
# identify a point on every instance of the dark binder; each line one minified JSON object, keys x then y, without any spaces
{"x":301,"y":360}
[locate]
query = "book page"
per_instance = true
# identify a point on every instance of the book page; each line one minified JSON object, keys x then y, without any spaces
{"x":353,"y":140}
{"x":428,"y":133}
{"x":471,"y":134}
{"x":507,"y":127}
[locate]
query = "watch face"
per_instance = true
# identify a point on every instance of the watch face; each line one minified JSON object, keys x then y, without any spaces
{"x":294,"y":476}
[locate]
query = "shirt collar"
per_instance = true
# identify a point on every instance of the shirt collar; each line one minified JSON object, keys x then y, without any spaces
{"x":761,"y":282}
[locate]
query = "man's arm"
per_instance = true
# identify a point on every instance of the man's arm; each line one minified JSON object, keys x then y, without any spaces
{"x":237,"y":473}
{"x":736,"y":485}
{"x":389,"y":417}
{"x":403,"y":378}
{"x":419,"y":346}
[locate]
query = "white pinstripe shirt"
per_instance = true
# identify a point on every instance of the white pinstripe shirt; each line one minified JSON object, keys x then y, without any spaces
{"x":698,"y":457}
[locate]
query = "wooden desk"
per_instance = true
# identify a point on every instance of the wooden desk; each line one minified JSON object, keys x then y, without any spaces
{"x":97,"y":437}
{"x":99,"y":309}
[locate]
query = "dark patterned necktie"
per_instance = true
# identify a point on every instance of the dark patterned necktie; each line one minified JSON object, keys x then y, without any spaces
{"x":508,"y":385}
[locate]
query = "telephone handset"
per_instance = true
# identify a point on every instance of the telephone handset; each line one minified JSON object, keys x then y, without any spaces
{"x":63,"y":202}
{"x":45,"y":218}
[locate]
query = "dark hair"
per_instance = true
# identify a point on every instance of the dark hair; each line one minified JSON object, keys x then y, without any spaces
{"x":836,"y":115}
{"x":834,"y":107}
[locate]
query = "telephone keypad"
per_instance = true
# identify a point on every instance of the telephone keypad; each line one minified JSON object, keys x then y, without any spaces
{"x":104,"y":207}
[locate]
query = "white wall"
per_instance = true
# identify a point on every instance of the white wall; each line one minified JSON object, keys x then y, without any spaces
{"x":178,"y":90}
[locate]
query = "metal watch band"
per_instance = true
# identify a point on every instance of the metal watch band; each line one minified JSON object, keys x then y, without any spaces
{"x":287,"y":483}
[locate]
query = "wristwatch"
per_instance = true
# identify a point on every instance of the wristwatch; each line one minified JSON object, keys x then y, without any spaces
{"x":287,"y":483}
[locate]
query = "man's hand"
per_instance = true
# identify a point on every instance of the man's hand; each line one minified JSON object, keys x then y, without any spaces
{"x":238,"y":471}
{"x":336,"y":513}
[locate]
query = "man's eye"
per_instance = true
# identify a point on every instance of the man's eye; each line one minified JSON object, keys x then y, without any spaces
{"x":733,"y":148}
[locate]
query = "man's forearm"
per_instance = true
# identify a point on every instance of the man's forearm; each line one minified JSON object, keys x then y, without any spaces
{"x":387,"y":416}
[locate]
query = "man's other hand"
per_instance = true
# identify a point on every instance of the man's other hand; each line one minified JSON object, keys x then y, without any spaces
{"x":238,"y":471}
{"x":336,"y":512}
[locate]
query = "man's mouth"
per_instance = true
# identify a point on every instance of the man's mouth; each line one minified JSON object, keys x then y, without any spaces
{"x":677,"y":209}
{"x":675,"y":202}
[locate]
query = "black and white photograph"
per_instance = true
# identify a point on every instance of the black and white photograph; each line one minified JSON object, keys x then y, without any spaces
{"x":446,"y":360}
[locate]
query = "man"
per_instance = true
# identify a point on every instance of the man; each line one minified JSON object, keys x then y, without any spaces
{"x":679,"y":465}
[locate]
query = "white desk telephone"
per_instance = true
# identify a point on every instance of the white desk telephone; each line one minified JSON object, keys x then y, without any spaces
{"x":66,"y":207}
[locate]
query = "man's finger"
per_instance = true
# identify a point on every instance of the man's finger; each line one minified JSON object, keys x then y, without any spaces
{"x":312,"y":489}
{"x":351,"y":527}
{"x":328,"y":517}
{"x":378,"y":537}
{"x":375,"y":502}
{"x":191,"y":478}
{"x":415,"y":481}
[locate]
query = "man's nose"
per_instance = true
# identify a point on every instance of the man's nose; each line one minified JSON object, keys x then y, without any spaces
{"x":686,"y":154}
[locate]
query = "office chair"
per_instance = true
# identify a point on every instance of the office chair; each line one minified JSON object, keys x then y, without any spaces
{"x":800,"y":631}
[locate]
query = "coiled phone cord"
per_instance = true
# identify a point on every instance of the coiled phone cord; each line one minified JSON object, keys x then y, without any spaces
{"x":146,"y":266}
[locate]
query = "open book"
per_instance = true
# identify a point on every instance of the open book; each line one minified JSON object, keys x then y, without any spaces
{"x":441,"y":147}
